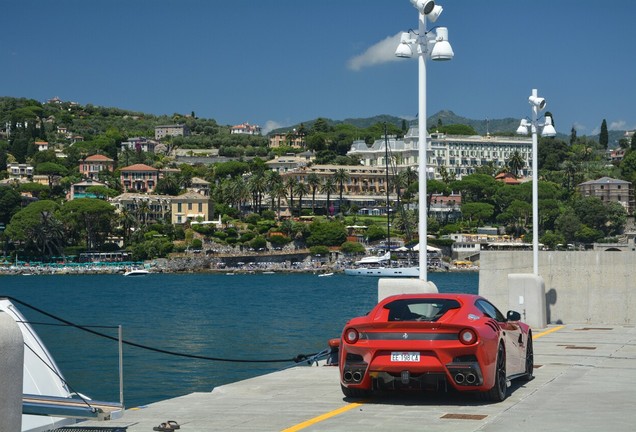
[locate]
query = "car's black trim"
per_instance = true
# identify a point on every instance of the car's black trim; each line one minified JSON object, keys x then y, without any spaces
{"x":407,"y":336}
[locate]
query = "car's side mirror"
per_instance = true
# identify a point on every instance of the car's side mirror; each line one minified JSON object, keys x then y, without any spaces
{"x":513,"y":316}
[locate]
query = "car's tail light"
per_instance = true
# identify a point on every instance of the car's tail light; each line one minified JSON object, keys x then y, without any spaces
{"x":467,"y":336}
{"x":351,"y":336}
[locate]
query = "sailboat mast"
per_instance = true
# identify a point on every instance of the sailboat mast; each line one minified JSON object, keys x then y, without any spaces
{"x":388,"y":206}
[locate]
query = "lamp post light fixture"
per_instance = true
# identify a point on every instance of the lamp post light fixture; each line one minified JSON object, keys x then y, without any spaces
{"x":537,"y":104}
{"x":436,"y":46}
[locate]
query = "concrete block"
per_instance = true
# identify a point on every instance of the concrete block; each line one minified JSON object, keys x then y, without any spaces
{"x":526,"y":295}
{"x":394,"y":286}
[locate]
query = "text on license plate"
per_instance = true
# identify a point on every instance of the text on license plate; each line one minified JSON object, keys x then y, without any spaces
{"x":405,"y":356}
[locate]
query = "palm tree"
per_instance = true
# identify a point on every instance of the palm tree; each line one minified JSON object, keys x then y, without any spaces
{"x":516,"y":162}
{"x":241,"y":192}
{"x":48,"y":236}
{"x":341,"y":176}
{"x":570,"y":170}
{"x":314,"y":183}
{"x":257,"y":187}
{"x":290,"y":184}
{"x":328,"y":187}
{"x":300,"y":189}
{"x":409,"y":175}
{"x":272,"y":181}
{"x":127,"y":221}
{"x":278,"y":192}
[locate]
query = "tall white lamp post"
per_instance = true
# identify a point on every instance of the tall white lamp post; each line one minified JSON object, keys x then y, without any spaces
{"x":436,"y":46}
{"x":538,"y":104}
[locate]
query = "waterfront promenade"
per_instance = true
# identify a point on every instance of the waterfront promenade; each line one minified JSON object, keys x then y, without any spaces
{"x":585,"y":376}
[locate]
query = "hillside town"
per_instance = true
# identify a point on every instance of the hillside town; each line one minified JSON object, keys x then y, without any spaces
{"x":181,"y":192}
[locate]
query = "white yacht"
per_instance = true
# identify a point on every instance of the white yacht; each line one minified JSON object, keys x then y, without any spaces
{"x":47,"y":401}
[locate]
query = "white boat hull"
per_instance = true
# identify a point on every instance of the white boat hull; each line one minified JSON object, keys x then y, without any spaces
{"x":41,"y":374}
{"x":137,"y":272}
{"x":384,"y":271}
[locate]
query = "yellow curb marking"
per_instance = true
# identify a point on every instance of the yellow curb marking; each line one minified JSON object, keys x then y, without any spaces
{"x":552,"y":330}
{"x":322,"y":417}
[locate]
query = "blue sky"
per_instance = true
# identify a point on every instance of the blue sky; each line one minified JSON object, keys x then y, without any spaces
{"x":280,"y":62}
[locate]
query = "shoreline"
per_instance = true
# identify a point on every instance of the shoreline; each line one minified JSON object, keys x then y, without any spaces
{"x":177,"y":267}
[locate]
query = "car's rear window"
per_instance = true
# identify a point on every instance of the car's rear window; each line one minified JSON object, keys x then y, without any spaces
{"x":420,"y":309}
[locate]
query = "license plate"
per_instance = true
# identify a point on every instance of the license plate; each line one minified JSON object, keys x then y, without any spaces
{"x":405,"y":356}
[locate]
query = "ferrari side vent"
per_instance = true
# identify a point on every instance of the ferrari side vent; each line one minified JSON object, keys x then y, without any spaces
{"x":493,"y":325}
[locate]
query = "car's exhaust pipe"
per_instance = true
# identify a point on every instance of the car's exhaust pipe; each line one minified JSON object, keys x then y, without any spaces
{"x":348,"y":376}
{"x":357,"y":376}
{"x":459,"y":378}
{"x":471,"y":378}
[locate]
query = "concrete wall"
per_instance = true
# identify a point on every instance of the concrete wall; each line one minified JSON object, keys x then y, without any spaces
{"x":581,"y":287}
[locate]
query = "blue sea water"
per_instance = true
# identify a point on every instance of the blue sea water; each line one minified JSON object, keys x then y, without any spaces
{"x":241,"y":317}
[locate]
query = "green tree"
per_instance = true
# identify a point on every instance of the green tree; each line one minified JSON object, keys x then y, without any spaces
{"x":592,"y":212}
{"x":290,"y":185}
{"x":272,"y":181}
{"x":516,"y":163}
{"x":313,"y":181}
{"x":88,"y":218}
{"x":49,"y":235}
{"x":568,"y":224}
{"x":10,"y":201}
{"x":329,"y":187}
{"x":326,"y":233}
{"x":257,"y":187}
{"x":24,"y":222}
{"x":301,"y":189}
{"x":552,"y":239}
{"x":376,"y":232}
{"x":341,"y":176}
{"x":477,"y":211}
{"x":350,"y":247}
{"x":603,"y":138}
{"x":627,"y":166}
{"x":168,"y":185}
{"x":477,"y":187}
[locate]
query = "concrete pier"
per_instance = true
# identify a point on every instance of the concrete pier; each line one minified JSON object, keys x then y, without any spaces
{"x":585,"y":378}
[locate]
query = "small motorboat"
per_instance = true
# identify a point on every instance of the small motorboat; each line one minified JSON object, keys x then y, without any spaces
{"x":137,"y":272}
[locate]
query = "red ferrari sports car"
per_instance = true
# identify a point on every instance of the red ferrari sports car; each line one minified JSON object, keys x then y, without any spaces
{"x":425,"y":341}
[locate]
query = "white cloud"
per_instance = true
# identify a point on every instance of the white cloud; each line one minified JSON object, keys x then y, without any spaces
{"x":617,"y":125}
{"x":270,"y":125}
{"x":381,"y":52}
{"x":579,"y":127}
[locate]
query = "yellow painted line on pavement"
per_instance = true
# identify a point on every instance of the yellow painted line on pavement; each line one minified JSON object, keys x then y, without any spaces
{"x":351,"y":406}
{"x":322,"y":417}
{"x":552,"y":330}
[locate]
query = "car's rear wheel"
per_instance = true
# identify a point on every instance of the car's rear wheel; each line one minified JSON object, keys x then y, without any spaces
{"x":354,"y":392}
{"x":529,"y":359}
{"x":499,"y":390}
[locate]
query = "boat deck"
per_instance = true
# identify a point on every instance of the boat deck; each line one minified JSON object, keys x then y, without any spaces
{"x":585,"y":380}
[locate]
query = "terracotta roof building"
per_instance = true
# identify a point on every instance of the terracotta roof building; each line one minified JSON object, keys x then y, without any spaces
{"x":608,"y":189}
{"x":93,"y":165}
{"x":139,"y":178}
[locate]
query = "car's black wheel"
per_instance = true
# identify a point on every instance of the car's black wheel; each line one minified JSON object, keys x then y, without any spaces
{"x":529,"y":359}
{"x":499,"y":390}
{"x":354,"y":392}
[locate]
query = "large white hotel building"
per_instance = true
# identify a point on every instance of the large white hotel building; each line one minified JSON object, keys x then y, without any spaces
{"x":458,"y":154}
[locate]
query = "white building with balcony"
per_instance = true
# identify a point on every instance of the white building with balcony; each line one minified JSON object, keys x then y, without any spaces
{"x":458,"y":154}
